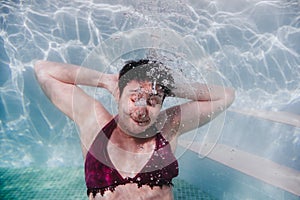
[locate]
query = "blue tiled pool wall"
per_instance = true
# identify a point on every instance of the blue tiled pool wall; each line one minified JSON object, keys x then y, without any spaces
{"x":68,"y":183}
{"x":42,"y":183}
{"x":198,"y":179}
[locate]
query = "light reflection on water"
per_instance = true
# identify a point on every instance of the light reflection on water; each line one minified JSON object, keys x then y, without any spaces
{"x":253,"y":44}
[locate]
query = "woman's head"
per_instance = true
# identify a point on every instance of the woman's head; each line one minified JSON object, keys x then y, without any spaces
{"x":143,"y":86}
{"x":146,"y":70}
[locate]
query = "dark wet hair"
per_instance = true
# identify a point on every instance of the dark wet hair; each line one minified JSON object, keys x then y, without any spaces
{"x":146,"y":70}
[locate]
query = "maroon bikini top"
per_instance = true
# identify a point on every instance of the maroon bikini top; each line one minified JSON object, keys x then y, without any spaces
{"x":101,"y":175}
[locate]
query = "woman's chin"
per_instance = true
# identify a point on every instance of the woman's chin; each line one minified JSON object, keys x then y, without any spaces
{"x":139,"y":128}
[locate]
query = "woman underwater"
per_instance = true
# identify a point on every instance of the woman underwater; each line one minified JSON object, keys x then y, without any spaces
{"x":130,"y":155}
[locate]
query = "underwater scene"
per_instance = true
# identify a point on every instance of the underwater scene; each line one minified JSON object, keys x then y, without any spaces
{"x":250,"y":45}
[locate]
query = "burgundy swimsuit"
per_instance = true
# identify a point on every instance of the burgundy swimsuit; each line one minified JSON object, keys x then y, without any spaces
{"x":101,"y":175}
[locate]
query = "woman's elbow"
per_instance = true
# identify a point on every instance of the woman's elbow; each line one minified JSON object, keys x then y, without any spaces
{"x":39,"y":65}
{"x":40,"y":70}
{"x":230,"y":96}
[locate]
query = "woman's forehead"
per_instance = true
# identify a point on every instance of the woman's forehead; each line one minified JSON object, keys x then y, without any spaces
{"x":140,"y":86}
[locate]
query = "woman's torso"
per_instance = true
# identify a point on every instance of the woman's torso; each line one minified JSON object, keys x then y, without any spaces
{"x":117,"y":164}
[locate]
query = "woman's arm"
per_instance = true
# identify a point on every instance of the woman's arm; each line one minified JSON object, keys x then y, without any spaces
{"x":207,"y":102}
{"x":59,"y":82}
{"x":76,"y":75}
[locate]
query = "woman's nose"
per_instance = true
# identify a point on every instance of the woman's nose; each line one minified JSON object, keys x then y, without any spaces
{"x":142,"y":102}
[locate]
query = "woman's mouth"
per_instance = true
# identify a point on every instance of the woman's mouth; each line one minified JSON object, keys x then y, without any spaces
{"x":142,"y":121}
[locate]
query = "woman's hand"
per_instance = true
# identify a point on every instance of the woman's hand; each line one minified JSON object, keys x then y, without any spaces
{"x":112,"y":85}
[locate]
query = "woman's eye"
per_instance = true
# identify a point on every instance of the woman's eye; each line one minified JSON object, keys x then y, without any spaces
{"x":134,"y":98}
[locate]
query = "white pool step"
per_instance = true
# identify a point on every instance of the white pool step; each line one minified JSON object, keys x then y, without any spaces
{"x":276,"y":116}
{"x":265,"y":170}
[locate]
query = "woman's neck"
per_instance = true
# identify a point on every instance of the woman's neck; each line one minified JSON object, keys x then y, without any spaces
{"x":131,"y":143}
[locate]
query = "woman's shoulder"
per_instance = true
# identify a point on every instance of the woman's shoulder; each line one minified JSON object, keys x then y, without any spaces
{"x":89,"y":131}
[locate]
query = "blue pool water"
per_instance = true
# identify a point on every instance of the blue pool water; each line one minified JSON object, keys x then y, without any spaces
{"x":252,"y":46}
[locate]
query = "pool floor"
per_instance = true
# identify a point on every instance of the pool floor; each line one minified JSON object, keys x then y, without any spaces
{"x":67,"y":183}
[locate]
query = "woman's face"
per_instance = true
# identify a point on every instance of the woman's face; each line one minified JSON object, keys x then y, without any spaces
{"x":139,"y":106}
